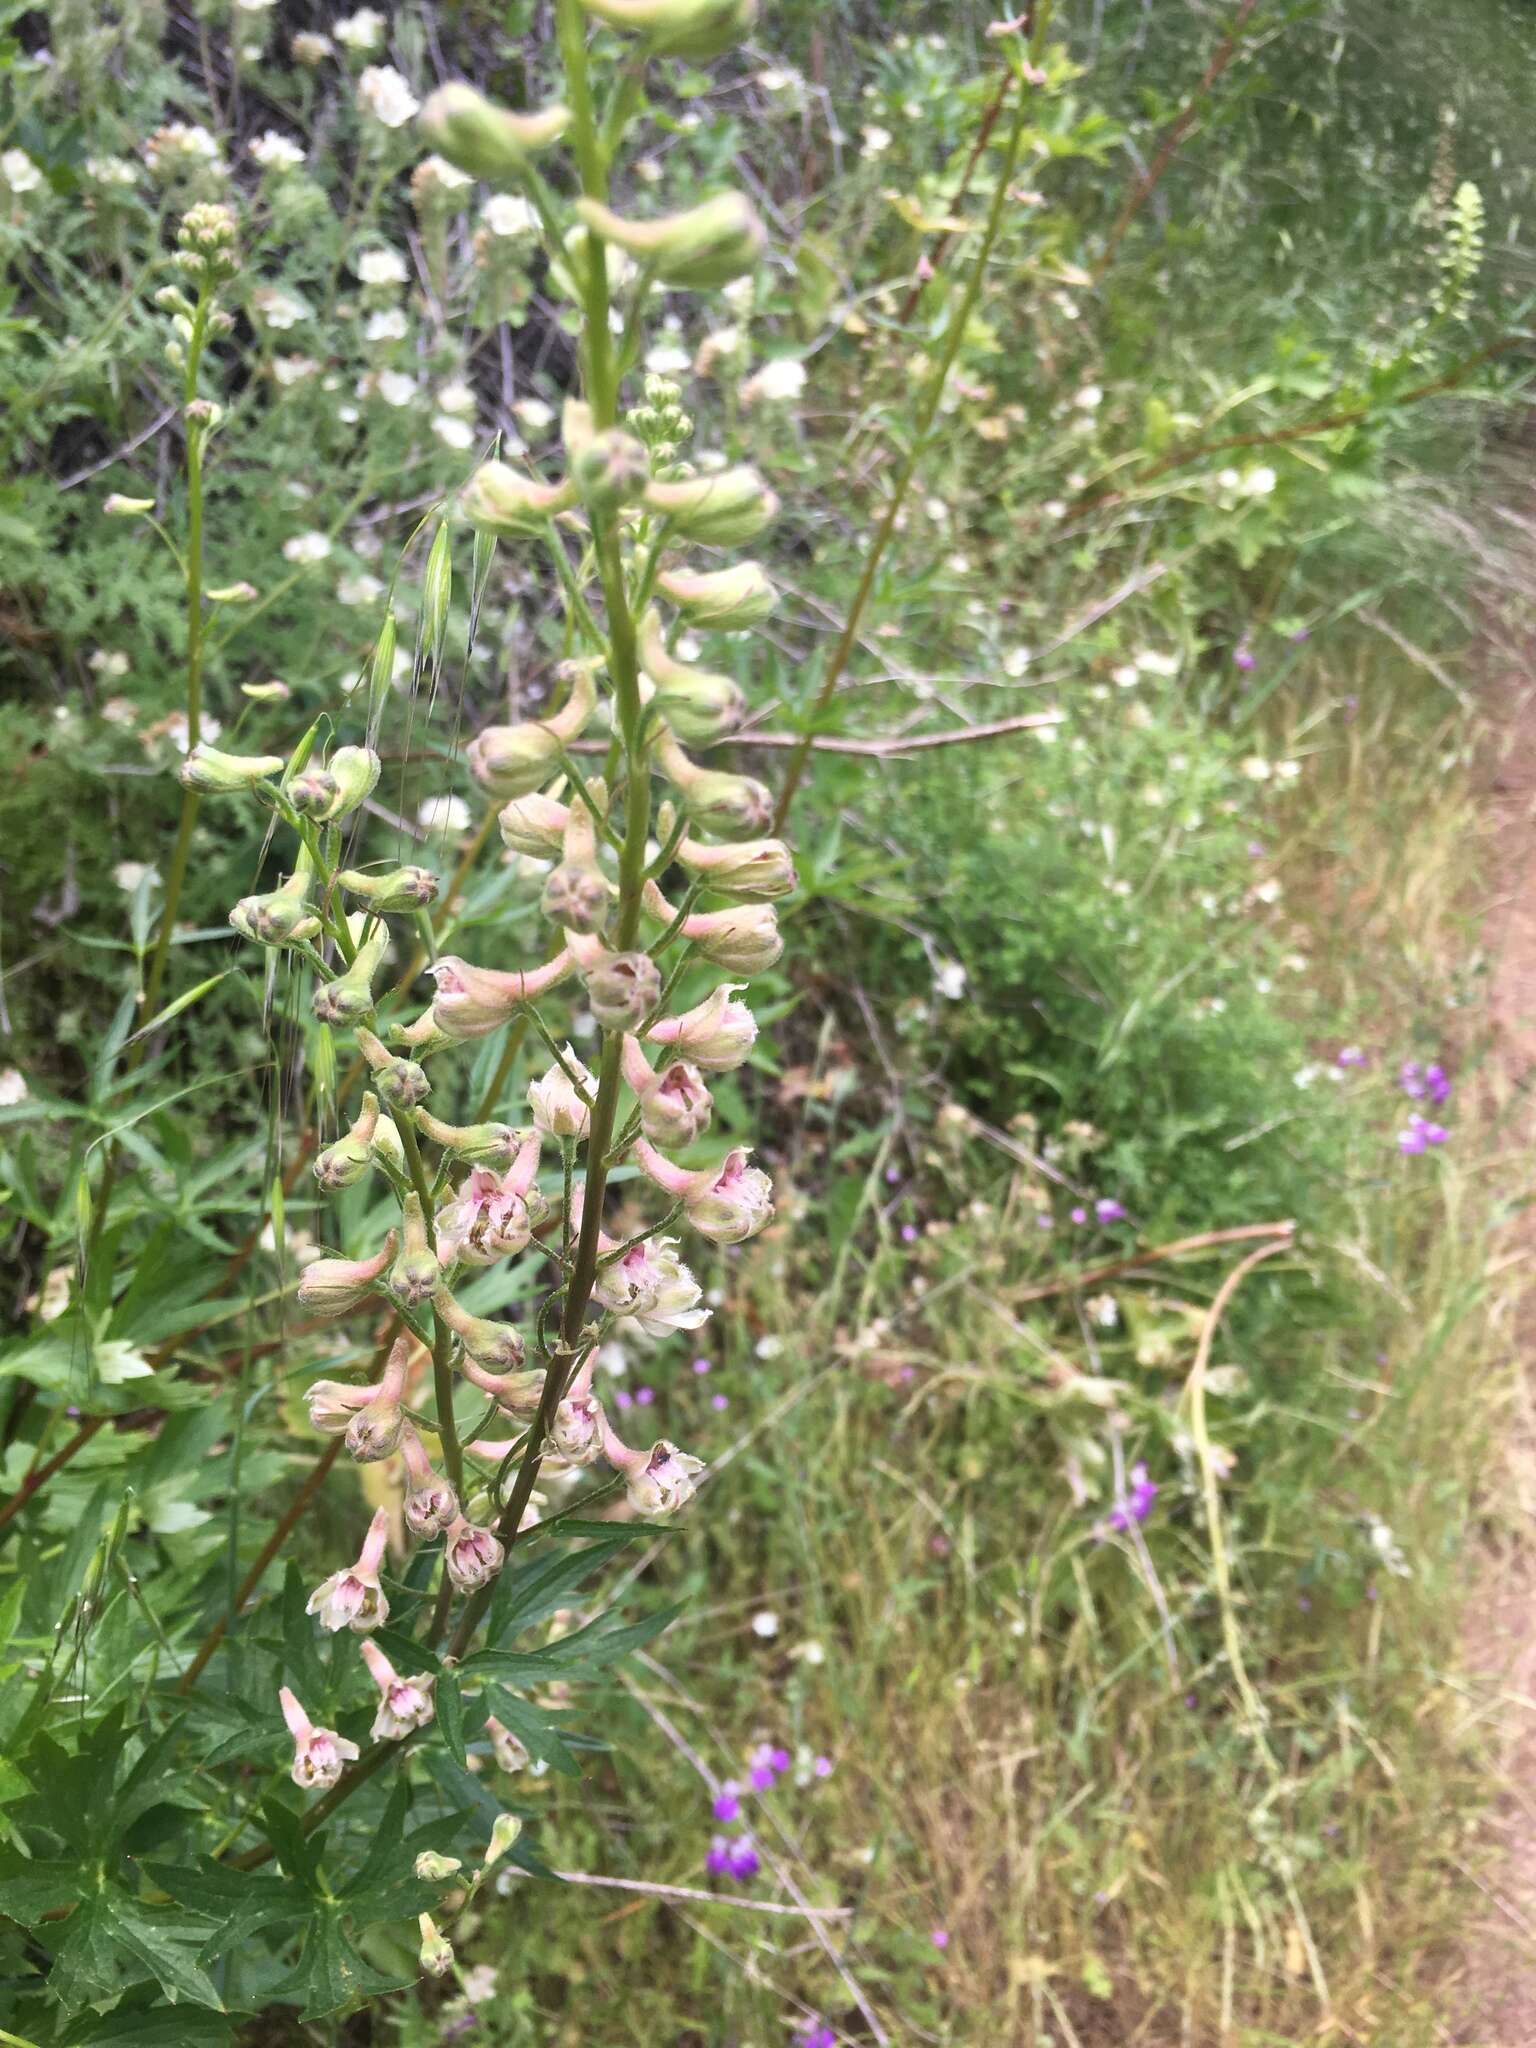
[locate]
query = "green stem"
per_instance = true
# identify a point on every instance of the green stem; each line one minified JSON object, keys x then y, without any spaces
{"x":602,"y":385}
{"x":442,"y":1336}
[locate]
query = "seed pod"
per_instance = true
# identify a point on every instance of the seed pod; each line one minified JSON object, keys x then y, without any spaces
{"x":727,"y":599}
{"x":484,"y":140}
{"x":212,"y":773}
{"x":724,"y":510}
{"x":707,"y":245}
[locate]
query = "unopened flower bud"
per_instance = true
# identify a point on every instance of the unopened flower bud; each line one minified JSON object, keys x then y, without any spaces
{"x":727,"y":599}
{"x":623,"y":989}
{"x":334,"y":1286}
{"x":577,"y":897}
{"x":400,"y":1082}
{"x":498,"y":1347}
{"x":737,"y":805}
{"x":576,"y":1433}
{"x":707,"y":245}
{"x":312,"y":791}
{"x":658,"y":1482}
{"x":735,"y":1204}
{"x":611,"y":471}
{"x":694,"y":29}
{"x":513,"y":760}
{"x":234,"y":593}
{"x":761,"y":868}
{"x":501,"y":501}
{"x":504,"y":1833}
{"x":436,"y":1952}
{"x":510,"y":1754}
{"x":725,"y":509}
{"x":374,"y":1432}
{"x":430,"y":1502}
{"x":562,"y":1100}
{"x":432,"y":1868}
{"x":472,"y":1000}
{"x":717,"y":1034}
{"x":534,"y":825}
{"x":473,"y":1556}
{"x":348,"y":778}
{"x":414,"y":1276}
{"x":485,"y":140}
{"x":209,"y":771}
{"x":339,"y":1165}
{"x":675,"y":1105}
{"x":408,"y":888}
{"x":116,"y":506}
{"x":485,"y":1144}
{"x":744,"y":940}
{"x":283,"y":914}
{"x":350,"y":995}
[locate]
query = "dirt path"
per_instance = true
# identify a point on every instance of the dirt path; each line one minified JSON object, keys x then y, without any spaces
{"x":1502,"y":1960}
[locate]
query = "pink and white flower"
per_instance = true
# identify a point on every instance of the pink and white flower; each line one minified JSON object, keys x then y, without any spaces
{"x":675,"y":1105}
{"x":658,"y":1482}
{"x":353,"y":1598}
{"x":724,"y":1203}
{"x":650,"y":1283}
{"x":576,"y":1433}
{"x":561,"y":1101}
{"x":717,"y":1034}
{"x":488,"y":1219}
{"x":430,"y":1502}
{"x":318,"y":1753}
{"x":471,"y":1001}
{"x":404,"y":1703}
{"x":473,"y":1556}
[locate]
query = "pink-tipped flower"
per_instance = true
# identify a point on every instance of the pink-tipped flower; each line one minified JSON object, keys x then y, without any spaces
{"x":758,"y":868}
{"x":436,"y":1952}
{"x":717,"y":1034}
{"x":404,"y":1703}
{"x":562,"y":1101}
{"x":430,"y":1502}
{"x":374,"y":1431}
{"x":675,"y":1105}
{"x":473,"y":1556}
{"x":471,"y":1001}
{"x":735,"y":1205}
{"x":650,"y":1283}
{"x":510,"y":1754}
{"x":515,"y":1393}
{"x":333,"y":1404}
{"x":334,"y":1287}
{"x":622,"y":989}
{"x":318,"y":1753}
{"x":658,"y":1482}
{"x":488,"y":1219}
{"x":493,"y":1346}
{"x":577,"y":1431}
{"x":353,"y":1598}
{"x":743,"y":940}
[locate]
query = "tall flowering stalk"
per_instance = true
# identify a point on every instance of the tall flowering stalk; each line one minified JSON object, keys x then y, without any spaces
{"x":659,"y":865}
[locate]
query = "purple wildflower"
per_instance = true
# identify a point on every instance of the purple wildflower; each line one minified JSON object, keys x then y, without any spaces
{"x":702,"y":1366}
{"x":760,"y":1778}
{"x":816,"y":2035}
{"x":744,"y":1859}
{"x":1109,"y":1210}
{"x":1437,"y":1083}
{"x":1243,"y":657}
{"x":822,"y":1767}
{"x":1353,"y":1056}
{"x":1130,"y":1507}
{"x":892,"y":1175}
{"x":623,"y":1398}
{"x":780,"y":1759}
{"x":719,"y":1400}
{"x":718,"y":1861}
{"x":1044,"y":1222}
{"x":727,"y":1806}
{"x":940,"y":1937}
{"x":1410,"y":1078}
{"x":644,"y":1396}
{"x":908,"y":1233}
{"x":1079,"y":1215}
{"x":1420,"y":1135}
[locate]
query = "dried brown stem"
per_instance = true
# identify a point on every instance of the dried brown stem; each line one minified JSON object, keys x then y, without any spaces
{"x":1242,"y":1233}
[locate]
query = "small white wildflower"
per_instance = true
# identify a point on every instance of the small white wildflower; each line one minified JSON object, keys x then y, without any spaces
{"x":876,"y":140}
{"x":1016,"y":660}
{"x":1103,"y":1310}
{"x":275,"y":152}
{"x":534,"y":414}
{"x":384,"y":94}
{"x":13,"y":1087}
{"x":1258,"y":483}
{"x":1154,"y":664}
{"x":129,"y":873}
{"x":381,"y":266}
{"x":1090,"y":398}
{"x":310,"y":49}
{"x":395,"y":387}
{"x":276,"y":309}
{"x":110,"y":666}
{"x":111,"y":170}
{"x":19,"y":171}
{"x":780,"y":381}
{"x":1256,"y":768}
{"x":509,"y":216}
{"x":359,"y":589}
{"x":290,"y":370}
{"x":305,"y":548}
{"x":443,"y":814}
{"x":388,"y":326}
{"x":360,"y":32}
{"x":765,"y":1624}
{"x":456,"y":397}
{"x":1127,"y":676}
{"x":453,"y":433}
{"x":949,"y":979}
{"x":810,"y":1652}
{"x":666,"y":359}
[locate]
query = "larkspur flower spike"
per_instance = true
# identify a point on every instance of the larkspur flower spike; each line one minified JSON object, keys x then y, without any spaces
{"x":353,"y":1598}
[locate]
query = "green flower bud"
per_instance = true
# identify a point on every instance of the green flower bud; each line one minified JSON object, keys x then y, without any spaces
{"x":504,"y":1833}
{"x":432,"y":1868}
{"x":612,"y":470}
{"x":724,"y":510}
{"x":415,"y":1276}
{"x":480,"y":1144}
{"x":578,"y":897}
{"x":708,"y":245}
{"x":761,"y":869}
{"x":737,"y":805}
{"x":355,"y":772}
{"x":350,"y":995}
{"x":698,"y":705}
{"x":499,"y":501}
{"x":116,"y":506}
{"x":386,"y":1142}
{"x":679,"y":28}
{"x":485,"y":140}
{"x":495,"y":1346}
{"x":274,"y":919}
{"x":206,"y":769}
{"x":513,"y":760}
{"x":728,"y":599}
{"x":339,"y":1165}
{"x":334,"y":1286}
{"x":436,"y":1953}
{"x":534,"y":825}
{"x":408,"y":888}
{"x":400,"y":1082}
